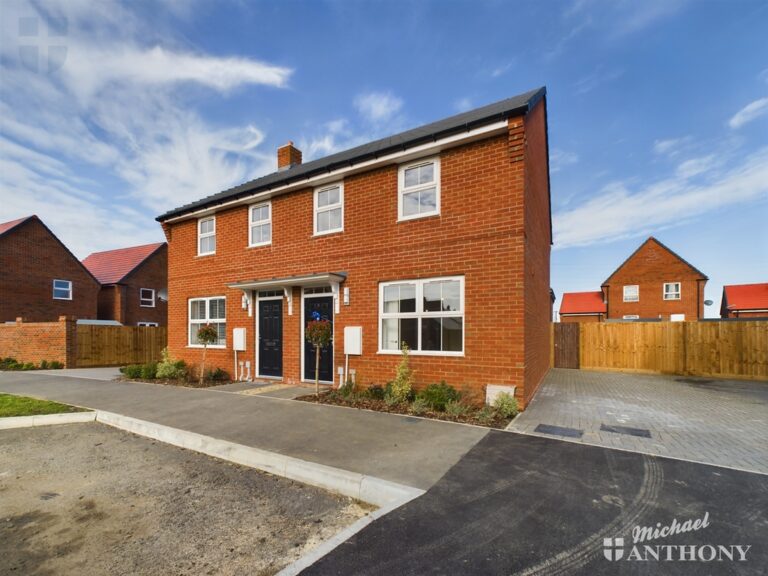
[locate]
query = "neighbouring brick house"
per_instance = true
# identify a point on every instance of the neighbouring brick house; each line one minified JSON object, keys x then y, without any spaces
{"x":655,"y":283}
{"x":438,"y":237}
{"x":583,"y":307}
{"x":134,"y":284}
{"x":40,"y":279}
{"x":745,"y":301}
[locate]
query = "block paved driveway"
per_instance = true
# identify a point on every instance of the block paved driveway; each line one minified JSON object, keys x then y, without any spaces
{"x":723,"y":422}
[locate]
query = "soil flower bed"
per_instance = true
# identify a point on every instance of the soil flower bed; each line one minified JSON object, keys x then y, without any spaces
{"x":480,"y":417}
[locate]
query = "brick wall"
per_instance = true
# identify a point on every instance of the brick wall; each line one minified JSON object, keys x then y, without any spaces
{"x":537,"y":245}
{"x":650,"y":267}
{"x":152,"y":273}
{"x":31,"y":257}
{"x":479,"y":234}
{"x":38,"y":341}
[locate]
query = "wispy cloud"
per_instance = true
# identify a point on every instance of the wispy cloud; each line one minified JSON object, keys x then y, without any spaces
{"x":559,"y":159}
{"x":502,"y":69}
{"x":378,"y":106}
{"x":749,"y":113}
{"x":671,"y":146}
{"x":122,"y":108}
{"x":596,"y":78}
{"x":698,"y":187}
{"x":463,"y":104}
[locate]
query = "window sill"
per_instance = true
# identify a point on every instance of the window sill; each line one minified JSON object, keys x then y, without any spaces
{"x":418,"y":217}
{"x":210,"y":347}
{"x":206,"y":254}
{"x":422,"y":353}
{"x":327,"y":233}
{"x":260,"y":245}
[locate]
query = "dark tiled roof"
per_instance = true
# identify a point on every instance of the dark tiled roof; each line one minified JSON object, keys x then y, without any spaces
{"x":111,"y":266}
{"x":501,"y":110}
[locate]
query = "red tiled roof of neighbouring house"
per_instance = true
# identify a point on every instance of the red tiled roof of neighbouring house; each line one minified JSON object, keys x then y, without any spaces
{"x":112,"y":266}
{"x":746,"y":296}
{"x":6,"y":226}
{"x":583,"y":303}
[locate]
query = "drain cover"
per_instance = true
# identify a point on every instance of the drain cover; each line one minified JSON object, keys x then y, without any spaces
{"x":641,"y":432}
{"x":559,"y":431}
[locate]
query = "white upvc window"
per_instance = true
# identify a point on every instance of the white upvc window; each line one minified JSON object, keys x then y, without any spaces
{"x":418,"y":193}
{"x":147,"y":324}
{"x":672,"y":291}
{"x":260,"y":222}
{"x":329,"y":209}
{"x":630,"y":317}
{"x":206,"y":236}
{"x":428,"y":315}
{"x":211,"y":311}
{"x":62,"y":290}
{"x":632,"y":293}
{"x":147,"y":297}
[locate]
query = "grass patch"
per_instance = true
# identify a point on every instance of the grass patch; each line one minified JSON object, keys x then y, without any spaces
{"x":22,"y":406}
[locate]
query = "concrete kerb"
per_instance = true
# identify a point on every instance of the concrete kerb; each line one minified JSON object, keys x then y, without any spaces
{"x":372,"y":490}
{"x":46,"y":420}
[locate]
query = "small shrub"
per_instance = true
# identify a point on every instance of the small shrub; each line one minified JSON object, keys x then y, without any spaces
{"x":456,"y":408}
{"x":402,"y":386}
{"x":418,"y":406}
{"x":9,"y":364}
{"x":375,"y":392}
{"x":391,"y":400}
{"x":28,"y":366}
{"x":486,"y":415}
{"x":170,"y":368}
{"x":506,"y":405}
{"x":437,"y":396}
{"x":149,"y":371}
{"x":218,"y":375}
{"x":133,"y":371}
{"x":55,"y":365}
{"x":347,"y":390}
{"x":44,"y":365}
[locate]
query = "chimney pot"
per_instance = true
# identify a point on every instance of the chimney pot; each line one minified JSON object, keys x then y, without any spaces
{"x":288,"y":156}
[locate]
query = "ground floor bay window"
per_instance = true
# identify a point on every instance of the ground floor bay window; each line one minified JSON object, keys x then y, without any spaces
{"x":211,"y":311}
{"x":427,"y":315}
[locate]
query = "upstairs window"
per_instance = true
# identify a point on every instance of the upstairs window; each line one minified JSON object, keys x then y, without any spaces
{"x":428,"y":315}
{"x":147,"y":297}
{"x":62,"y":290}
{"x":632,"y":293}
{"x":672,"y":291}
{"x":208,"y":311}
{"x":329,"y":209}
{"x":261,"y":225}
{"x":206,"y":236}
{"x":418,"y":189}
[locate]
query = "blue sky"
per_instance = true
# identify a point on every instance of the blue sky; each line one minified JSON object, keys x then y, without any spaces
{"x":658,"y":110}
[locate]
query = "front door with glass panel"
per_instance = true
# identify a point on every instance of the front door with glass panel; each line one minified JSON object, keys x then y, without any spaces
{"x":271,"y":338}
{"x":318,"y":307}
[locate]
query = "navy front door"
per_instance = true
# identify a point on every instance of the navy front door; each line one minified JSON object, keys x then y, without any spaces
{"x":271,"y":338}
{"x":323,"y":305}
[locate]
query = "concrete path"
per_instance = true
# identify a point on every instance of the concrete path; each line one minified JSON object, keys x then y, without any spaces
{"x":526,"y":505}
{"x":723,"y":422}
{"x":410,"y":451}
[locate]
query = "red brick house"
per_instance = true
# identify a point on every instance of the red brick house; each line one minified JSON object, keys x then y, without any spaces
{"x":134,"y":284}
{"x":40,"y":279}
{"x":745,"y":301}
{"x":655,"y":283}
{"x":438,"y":237}
{"x":583,"y":307}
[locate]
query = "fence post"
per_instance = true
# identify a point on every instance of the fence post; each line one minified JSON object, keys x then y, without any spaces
{"x":70,"y":339}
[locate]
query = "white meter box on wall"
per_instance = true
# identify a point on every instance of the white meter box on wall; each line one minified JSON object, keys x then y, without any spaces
{"x":353,"y":340}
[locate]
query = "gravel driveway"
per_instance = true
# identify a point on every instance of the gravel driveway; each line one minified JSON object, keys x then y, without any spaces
{"x":88,"y":499}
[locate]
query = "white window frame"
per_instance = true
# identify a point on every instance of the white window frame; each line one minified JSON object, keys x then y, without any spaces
{"x":316,"y":210}
{"x":419,"y":314}
{"x":401,"y":189}
{"x":677,"y":295}
{"x":68,"y":289}
{"x":201,"y":235}
{"x":142,"y":299}
{"x":253,"y":223}
{"x":637,"y":290}
{"x":148,"y":324}
{"x":206,"y":320}
{"x":630,"y":317}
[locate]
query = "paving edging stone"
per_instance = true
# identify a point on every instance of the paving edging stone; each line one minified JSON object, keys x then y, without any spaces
{"x":46,"y":419}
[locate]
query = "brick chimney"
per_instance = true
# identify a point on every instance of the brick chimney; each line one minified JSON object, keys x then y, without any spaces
{"x":288,"y":156}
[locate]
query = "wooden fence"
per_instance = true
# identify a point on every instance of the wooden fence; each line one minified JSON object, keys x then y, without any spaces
{"x":119,"y":345}
{"x":722,"y":349}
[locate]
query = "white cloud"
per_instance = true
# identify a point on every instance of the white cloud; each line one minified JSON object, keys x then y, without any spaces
{"x":671,"y":146}
{"x":698,"y":187}
{"x":463,"y":104}
{"x":596,"y":78}
{"x":502,"y":69}
{"x":121,"y":109}
{"x":750,"y":112}
{"x":378,"y":106}
{"x":559,"y":159}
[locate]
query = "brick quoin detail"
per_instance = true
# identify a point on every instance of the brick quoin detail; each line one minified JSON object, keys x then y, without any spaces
{"x":493,"y":229}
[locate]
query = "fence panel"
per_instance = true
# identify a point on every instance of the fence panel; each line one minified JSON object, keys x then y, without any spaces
{"x":119,"y":345}
{"x":723,"y":349}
